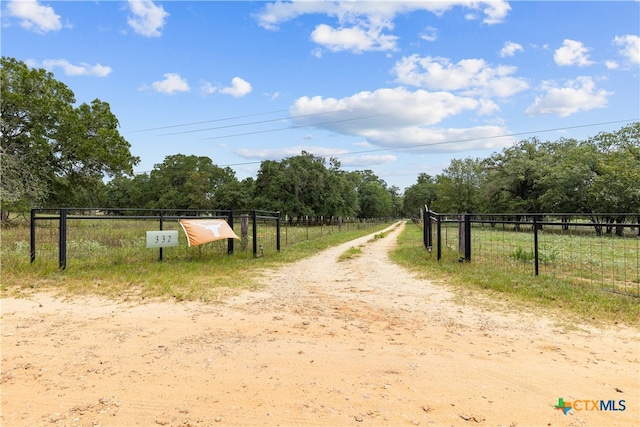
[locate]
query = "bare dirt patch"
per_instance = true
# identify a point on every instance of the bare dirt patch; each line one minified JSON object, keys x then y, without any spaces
{"x":358,"y":342}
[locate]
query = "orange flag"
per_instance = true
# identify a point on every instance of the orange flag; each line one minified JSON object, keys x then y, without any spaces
{"x":200,"y":231}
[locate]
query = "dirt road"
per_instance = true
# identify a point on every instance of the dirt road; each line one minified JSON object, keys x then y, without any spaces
{"x":359,"y":342}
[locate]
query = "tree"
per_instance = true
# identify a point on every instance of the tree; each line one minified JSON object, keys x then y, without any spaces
{"x":514,"y":177}
{"x":616,"y":186}
{"x":125,"y":192}
{"x":396,"y":201}
{"x":341,"y":199}
{"x":458,"y":187}
{"x":236,"y":195}
{"x":45,"y":139}
{"x":187,"y":182}
{"x":374,"y":199}
{"x":302,"y":186}
{"x":567,"y":176}
{"x":419,"y":194}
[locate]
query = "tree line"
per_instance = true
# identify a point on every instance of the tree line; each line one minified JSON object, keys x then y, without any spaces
{"x":598,"y":175}
{"x":302,"y":186}
{"x":54,"y":154}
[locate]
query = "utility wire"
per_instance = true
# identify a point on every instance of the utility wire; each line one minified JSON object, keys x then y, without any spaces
{"x":351,"y":153}
{"x":224,"y":119}
{"x":208,"y":121}
{"x":259,"y":122}
{"x":293,"y":127}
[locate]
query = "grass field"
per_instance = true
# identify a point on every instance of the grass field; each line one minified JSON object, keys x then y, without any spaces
{"x":109,"y":257}
{"x":568,"y":279}
{"x":112,"y":261}
{"x":607,"y":261}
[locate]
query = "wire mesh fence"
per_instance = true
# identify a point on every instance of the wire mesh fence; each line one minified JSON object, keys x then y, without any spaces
{"x":309,"y":229}
{"x":96,"y":237}
{"x":90,"y":237}
{"x":596,"y":250}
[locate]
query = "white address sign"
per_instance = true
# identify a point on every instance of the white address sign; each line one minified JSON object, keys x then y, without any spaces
{"x":162,"y":238}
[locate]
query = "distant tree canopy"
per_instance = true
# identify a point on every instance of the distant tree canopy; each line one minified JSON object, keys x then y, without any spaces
{"x":53,"y":153}
{"x":302,"y":186}
{"x":598,"y":175}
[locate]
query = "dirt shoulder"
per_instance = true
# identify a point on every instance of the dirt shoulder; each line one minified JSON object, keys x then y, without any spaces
{"x":359,"y":342}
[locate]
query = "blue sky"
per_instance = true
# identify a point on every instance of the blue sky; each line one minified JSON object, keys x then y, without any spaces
{"x":397,"y":87}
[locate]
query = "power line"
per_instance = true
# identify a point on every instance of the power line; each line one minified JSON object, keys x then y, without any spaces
{"x":258,"y":122}
{"x":293,"y":127}
{"x":224,"y":119}
{"x":351,"y":153}
{"x":208,"y":121}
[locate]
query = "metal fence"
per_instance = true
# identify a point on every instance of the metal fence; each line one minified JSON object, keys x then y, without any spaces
{"x":307,"y":228}
{"x":598,"y":249}
{"x":119,"y":235}
{"x":88,"y":237}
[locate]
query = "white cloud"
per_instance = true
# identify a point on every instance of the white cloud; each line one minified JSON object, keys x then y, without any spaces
{"x":281,"y":153}
{"x":147,"y":19}
{"x":172,"y":83}
{"x":388,"y":108}
{"x":355,"y":39}
{"x":239,"y":87}
{"x":429,"y":34}
{"x":442,"y":139}
{"x":630,"y":47}
{"x":496,"y":11}
{"x":207,"y":88}
{"x":577,"y":95}
{"x":472,"y":76}
{"x":346,"y":159}
{"x":362,"y":25}
{"x":572,"y":52}
{"x":611,"y":65}
{"x":274,"y":14}
{"x":510,"y":48}
{"x":83,"y":69}
{"x":34,"y":16}
{"x":399,"y":118}
{"x":360,"y":161}
{"x":364,"y":143}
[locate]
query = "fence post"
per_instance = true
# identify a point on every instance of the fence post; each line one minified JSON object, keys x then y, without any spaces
{"x":244,"y":231}
{"x":255,"y":234}
{"x":33,"y":235}
{"x":426,"y":227}
{"x":230,"y":241}
{"x":439,"y":236}
{"x":278,"y":231}
{"x":535,"y":243}
{"x":161,"y":225}
{"x":62,"y":240}
{"x":467,"y":237}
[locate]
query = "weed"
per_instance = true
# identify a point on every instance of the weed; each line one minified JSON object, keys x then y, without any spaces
{"x":350,"y":253}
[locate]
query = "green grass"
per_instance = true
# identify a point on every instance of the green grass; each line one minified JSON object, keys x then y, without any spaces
{"x":608,"y":261}
{"x":350,"y":253}
{"x":377,"y":236}
{"x":568,"y":295}
{"x":108,"y":258}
